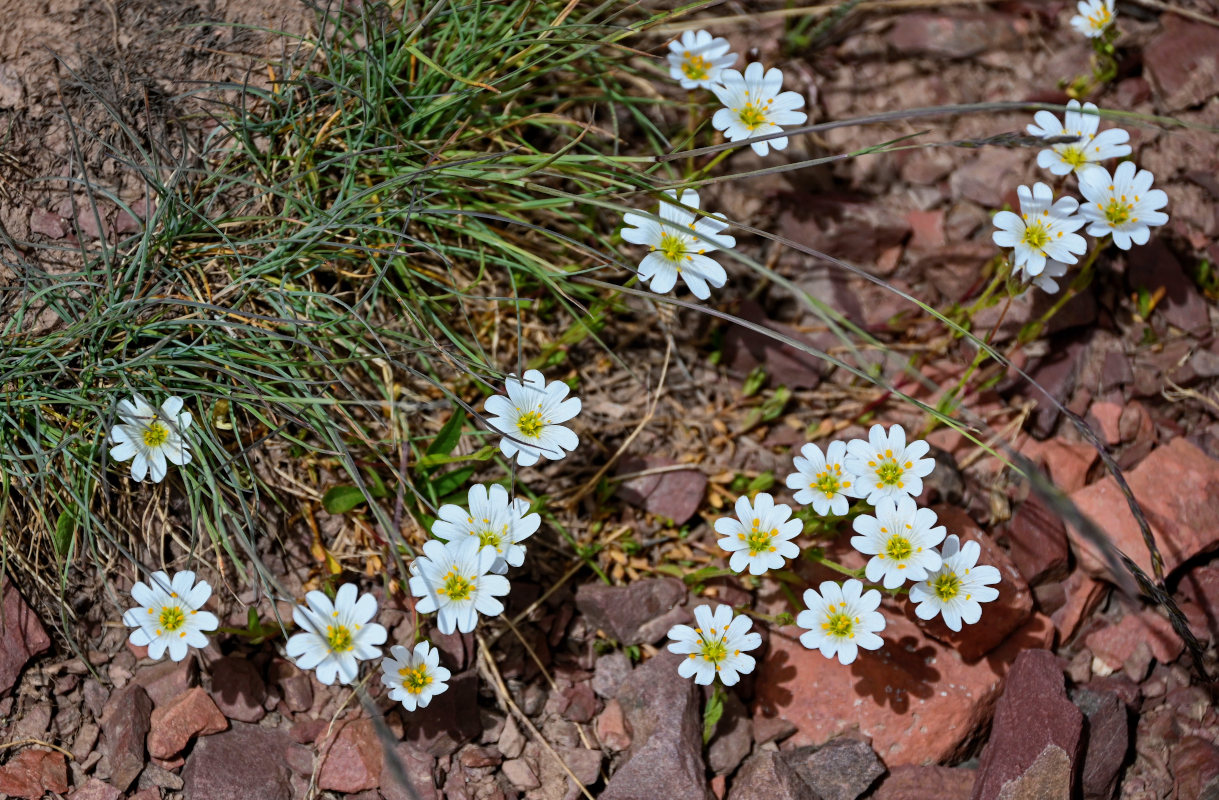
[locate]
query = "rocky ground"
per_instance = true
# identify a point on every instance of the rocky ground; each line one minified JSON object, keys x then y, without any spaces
{"x":1068,"y":688}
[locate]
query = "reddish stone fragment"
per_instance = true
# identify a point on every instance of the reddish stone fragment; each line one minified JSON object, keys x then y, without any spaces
{"x":1068,"y":463}
{"x":32,"y":773}
{"x":1107,"y":416}
{"x":353,"y":763}
{"x":1037,"y":542}
{"x":1084,"y":595}
{"x":1177,"y":486}
{"x":916,"y":698}
{"x":673,"y":495}
{"x":174,"y":725}
{"x":23,"y":636}
{"x":1183,"y":62}
{"x":93,"y":789}
{"x":1114,"y":644}
{"x":238,"y":689}
{"x":914,"y":782}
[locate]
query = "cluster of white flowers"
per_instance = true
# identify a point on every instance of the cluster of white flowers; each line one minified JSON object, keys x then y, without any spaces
{"x":901,"y":539}
{"x":754,"y":105}
{"x":458,"y":576}
{"x":1094,"y":17}
{"x":1120,"y":204}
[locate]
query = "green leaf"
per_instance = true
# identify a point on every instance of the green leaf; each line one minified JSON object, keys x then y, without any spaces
{"x":773,"y":406}
{"x":449,"y":436}
{"x":704,"y":574}
{"x":451,"y":481}
{"x":753,"y":381}
{"x":483,"y":454}
{"x":761,"y":483}
{"x":712,"y":713}
{"x":341,"y":499}
{"x":65,"y":532}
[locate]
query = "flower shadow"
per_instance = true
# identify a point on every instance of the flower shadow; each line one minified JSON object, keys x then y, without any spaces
{"x":899,"y":670}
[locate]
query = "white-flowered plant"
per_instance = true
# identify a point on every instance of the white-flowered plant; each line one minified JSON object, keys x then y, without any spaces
{"x":493,"y":520}
{"x":1089,"y":148}
{"x":696,"y":59}
{"x":169,"y":615}
{"x":901,"y":539}
{"x":716,"y":647}
{"x":414,"y":677}
{"x":151,"y":437}
{"x":1122,"y":204}
{"x":678,"y":246}
{"x":1044,"y":229}
{"x":760,"y":538}
{"x":453,"y":580}
{"x":841,"y":620}
{"x":886,"y":466}
{"x":335,"y":636}
{"x":1047,"y":280}
{"x":1094,"y":17}
{"x":531,"y":418}
{"x":958,"y":588}
{"x":822,"y":481}
{"x":755,"y":105}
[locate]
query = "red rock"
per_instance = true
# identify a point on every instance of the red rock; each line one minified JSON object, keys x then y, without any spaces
{"x":1037,"y":542}
{"x":1001,"y":617}
{"x":521,"y":774}
{"x":1108,"y":740}
{"x":294,"y":685}
{"x":630,"y":614}
{"x":93,"y":789}
{"x":942,"y":36}
{"x":32,"y":773}
{"x":985,"y":178}
{"x":1183,"y":63}
{"x":926,"y":229}
{"x":1068,"y":463}
{"x":167,"y":680}
{"x":767,"y":776}
{"x":732,"y":739}
{"x":914,"y":782}
{"x":24,"y":637}
{"x":1177,"y":486}
{"x":611,"y":729}
{"x":745,"y":349}
{"x":238,"y":689}
{"x":1107,"y":416}
{"x":899,"y":695}
{"x":416,"y":767}
{"x":151,"y":793}
{"x":1084,"y":595}
{"x":1154,"y":268}
{"x":239,"y":763}
{"x":1035,"y":738}
{"x":673,"y":495}
{"x":842,"y":769}
{"x":446,"y":724}
{"x":46,"y":223}
{"x":1195,"y":768}
{"x":353,"y":763}
{"x":1113,"y":645}
{"x":1135,"y":424}
{"x":581,"y":703}
{"x":125,"y":724}
{"x":174,"y":725}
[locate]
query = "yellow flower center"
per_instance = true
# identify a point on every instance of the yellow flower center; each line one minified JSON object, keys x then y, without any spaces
{"x":530,"y":424}
{"x":1074,"y":155}
{"x":898,"y":548}
{"x":695,"y":67}
{"x":752,"y":116}
{"x":758,"y":540}
{"x":839,"y":623}
{"x":890,"y":472}
{"x":672,"y":247}
{"x":1036,"y":236}
{"x":456,"y":587}
{"x":714,"y":651}
{"x":338,"y":637}
{"x":156,"y":434}
{"x":415,"y":680}
{"x":947,"y":586}
{"x":489,"y":537}
{"x":172,"y":618}
{"x":1101,"y":19}
{"x":1117,"y":212}
{"x":829,"y":482}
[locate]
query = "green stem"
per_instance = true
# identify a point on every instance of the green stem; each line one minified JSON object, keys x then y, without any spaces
{"x":1081,"y":282}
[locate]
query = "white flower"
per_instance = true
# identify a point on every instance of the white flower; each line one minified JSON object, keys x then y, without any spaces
{"x":841,"y":619}
{"x":1124,"y":205}
{"x":531,"y":417}
{"x":901,"y":539}
{"x":679,"y":245}
{"x":697,"y":59}
{"x":1089,"y":148}
{"x":414,"y":678}
{"x":715,"y":647}
{"x":886,"y":466}
{"x":451,"y":579}
{"x":1045,"y":281}
{"x":1093,"y":18}
{"x":1044,"y":229}
{"x":169,"y":615}
{"x":821,"y":481}
{"x":761,"y":539}
{"x":151,"y":437}
{"x":754,"y":106}
{"x":335,"y":636}
{"x":957,"y":590}
{"x":493,"y":521}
